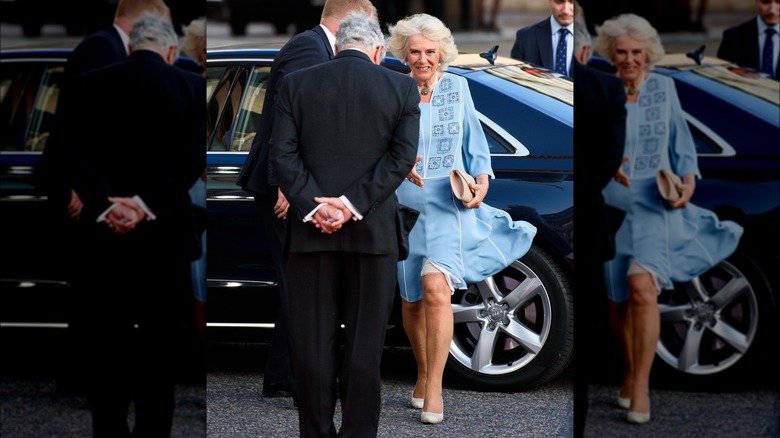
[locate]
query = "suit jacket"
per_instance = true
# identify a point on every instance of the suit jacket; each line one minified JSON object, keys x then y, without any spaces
{"x":362,"y":147}
{"x":739,"y":45}
{"x":53,"y":175}
{"x":600,"y":112}
{"x":152,"y":145}
{"x":305,"y":49}
{"x":534,"y":44}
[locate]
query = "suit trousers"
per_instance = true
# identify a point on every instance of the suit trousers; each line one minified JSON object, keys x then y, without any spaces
{"x":326,"y":290}
{"x":278,"y":368}
{"x":136,"y":307}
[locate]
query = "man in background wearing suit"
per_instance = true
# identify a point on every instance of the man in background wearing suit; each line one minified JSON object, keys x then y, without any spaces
{"x":305,"y":49}
{"x":756,"y":42}
{"x":600,"y":114}
{"x":144,"y":149}
{"x":99,"y":49}
{"x":54,"y":173}
{"x":549,"y":43}
{"x":339,"y":168}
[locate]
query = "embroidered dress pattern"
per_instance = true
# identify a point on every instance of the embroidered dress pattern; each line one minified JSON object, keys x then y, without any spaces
{"x":466,"y":244}
{"x":675,"y":244}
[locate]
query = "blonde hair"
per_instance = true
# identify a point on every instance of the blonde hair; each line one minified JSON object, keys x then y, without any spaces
{"x":134,"y":8}
{"x":340,"y":8}
{"x":194,"y":38}
{"x":428,"y":26}
{"x":634,"y":26}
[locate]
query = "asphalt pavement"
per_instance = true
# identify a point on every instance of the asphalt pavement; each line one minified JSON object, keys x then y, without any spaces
{"x":236,"y":407}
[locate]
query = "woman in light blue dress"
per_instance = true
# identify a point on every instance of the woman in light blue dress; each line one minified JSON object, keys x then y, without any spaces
{"x":453,"y":243}
{"x":658,"y":242}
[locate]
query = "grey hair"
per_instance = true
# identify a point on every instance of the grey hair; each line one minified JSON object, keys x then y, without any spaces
{"x":359,"y":30}
{"x":582,"y":38}
{"x":155,"y":31}
{"x":634,"y":26}
{"x":428,"y":26}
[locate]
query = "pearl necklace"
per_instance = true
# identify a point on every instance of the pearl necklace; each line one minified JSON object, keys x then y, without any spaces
{"x":427,"y":90}
{"x":634,"y":90}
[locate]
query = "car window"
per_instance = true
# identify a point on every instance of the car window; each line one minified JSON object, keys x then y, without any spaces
{"x":28,"y":99}
{"x":497,"y":145}
{"x":235,"y":101}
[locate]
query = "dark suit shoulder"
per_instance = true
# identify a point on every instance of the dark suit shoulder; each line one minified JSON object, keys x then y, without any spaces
{"x":306,"y":48}
{"x":736,"y":39}
{"x":96,"y":50}
{"x":533,"y":28}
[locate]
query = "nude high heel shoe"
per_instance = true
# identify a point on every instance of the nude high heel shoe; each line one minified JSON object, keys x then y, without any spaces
{"x":638,"y":417}
{"x":431,"y":418}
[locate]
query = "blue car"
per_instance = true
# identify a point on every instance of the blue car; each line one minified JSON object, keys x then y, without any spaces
{"x":513,"y":331}
{"x":720,"y":329}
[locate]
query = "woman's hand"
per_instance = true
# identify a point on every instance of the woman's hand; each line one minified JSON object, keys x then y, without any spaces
{"x":621,"y":176}
{"x":480,"y":190}
{"x":686,"y":190}
{"x":415,"y":177}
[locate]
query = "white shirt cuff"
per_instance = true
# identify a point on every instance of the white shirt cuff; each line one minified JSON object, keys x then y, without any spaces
{"x":149,"y":215}
{"x":311,"y":213}
{"x":355,"y":214}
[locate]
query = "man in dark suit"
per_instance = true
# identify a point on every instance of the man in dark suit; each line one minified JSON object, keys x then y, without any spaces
{"x":99,"y":49}
{"x":305,"y":49}
{"x":54,"y":173}
{"x":599,"y":138}
{"x":144,"y":149}
{"x":339,"y":169}
{"x":756,"y":42}
{"x":541,"y":43}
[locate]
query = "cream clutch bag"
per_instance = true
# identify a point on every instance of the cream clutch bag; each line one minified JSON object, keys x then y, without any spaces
{"x":460,"y":185}
{"x":667,"y":185}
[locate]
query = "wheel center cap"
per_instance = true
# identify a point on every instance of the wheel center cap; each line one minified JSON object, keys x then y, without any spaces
{"x":703,"y":311}
{"x":496,"y":313}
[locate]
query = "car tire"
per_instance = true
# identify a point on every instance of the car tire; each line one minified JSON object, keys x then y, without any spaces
{"x":525,"y":314}
{"x":716,"y":329}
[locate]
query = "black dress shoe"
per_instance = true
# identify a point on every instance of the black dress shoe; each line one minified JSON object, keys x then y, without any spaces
{"x":277,"y":390}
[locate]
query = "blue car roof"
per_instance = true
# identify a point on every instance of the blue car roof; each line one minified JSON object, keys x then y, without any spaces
{"x":527,"y":101}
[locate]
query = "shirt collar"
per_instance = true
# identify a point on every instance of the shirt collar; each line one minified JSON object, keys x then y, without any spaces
{"x":763,"y":26}
{"x":331,"y":38}
{"x":557,"y":26}
{"x":125,"y":38}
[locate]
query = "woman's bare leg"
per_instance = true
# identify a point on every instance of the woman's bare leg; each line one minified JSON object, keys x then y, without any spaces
{"x":413,"y":314}
{"x":645,"y":319}
{"x":438,"y":330}
{"x":620,"y":323}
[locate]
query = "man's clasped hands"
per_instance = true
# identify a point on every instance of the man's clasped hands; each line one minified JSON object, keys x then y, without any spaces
{"x":124,"y":214}
{"x":331,"y":215}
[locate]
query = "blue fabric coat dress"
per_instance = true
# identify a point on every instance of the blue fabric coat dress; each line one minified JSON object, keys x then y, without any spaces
{"x":676,"y":244}
{"x":467,"y":244}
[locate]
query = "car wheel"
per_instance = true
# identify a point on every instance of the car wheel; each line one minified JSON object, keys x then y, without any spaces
{"x":712,"y":327}
{"x":514,"y":330}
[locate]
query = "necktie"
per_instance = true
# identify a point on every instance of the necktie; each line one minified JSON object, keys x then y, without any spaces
{"x":767,"y":66}
{"x":560,"y":53}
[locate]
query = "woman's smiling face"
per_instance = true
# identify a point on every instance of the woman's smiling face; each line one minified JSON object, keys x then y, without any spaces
{"x":423,"y":57}
{"x":630,"y":57}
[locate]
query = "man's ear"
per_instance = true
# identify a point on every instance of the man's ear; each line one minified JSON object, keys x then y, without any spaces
{"x":170,"y":54}
{"x":377,"y":55}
